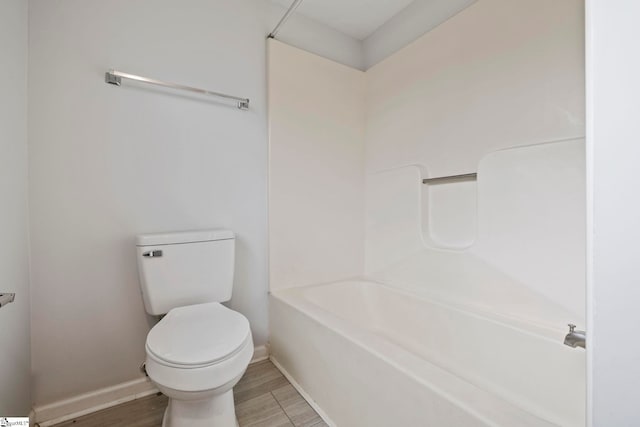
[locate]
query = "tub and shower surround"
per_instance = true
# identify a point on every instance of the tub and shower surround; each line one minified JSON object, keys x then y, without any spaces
{"x":465,"y":287}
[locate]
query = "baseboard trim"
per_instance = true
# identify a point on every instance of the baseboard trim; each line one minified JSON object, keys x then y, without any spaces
{"x":260,"y":353}
{"x":97,"y":400}
{"x":303,"y":393}
{"x":93,"y":401}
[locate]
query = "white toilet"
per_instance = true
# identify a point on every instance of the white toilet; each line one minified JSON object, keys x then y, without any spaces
{"x":199,"y":351}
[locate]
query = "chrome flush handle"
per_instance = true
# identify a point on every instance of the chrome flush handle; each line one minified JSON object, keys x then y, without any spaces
{"x":152,"y":254}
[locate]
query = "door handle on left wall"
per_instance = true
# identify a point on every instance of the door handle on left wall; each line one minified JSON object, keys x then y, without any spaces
{"x":6,"y":299}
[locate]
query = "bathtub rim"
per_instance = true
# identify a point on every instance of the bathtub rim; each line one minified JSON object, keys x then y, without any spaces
{"x":537,"y":330}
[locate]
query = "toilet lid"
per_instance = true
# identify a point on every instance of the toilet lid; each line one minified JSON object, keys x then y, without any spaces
{"x":199,"y":334}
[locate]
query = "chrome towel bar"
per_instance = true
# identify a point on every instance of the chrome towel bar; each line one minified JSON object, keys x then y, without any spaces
{"x":114,"y":77}
{"x":442,"y":179}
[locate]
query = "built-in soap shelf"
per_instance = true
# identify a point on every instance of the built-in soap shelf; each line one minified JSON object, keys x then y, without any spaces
{"x":450,"y":178}
{"x":449,"y":211}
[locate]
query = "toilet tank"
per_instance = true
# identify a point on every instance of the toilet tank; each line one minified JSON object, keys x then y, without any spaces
{"x":185,"y":268}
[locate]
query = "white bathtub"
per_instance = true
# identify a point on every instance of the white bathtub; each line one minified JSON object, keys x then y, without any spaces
{"x":370,"y":355}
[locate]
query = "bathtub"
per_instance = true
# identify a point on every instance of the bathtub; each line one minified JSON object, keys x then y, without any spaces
{"x":366,"y":354}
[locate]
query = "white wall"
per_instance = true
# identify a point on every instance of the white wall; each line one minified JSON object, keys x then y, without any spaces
{"x":108,"y":163}
{"x":614,"y":229}
{"x":316,"y":168}
{"x":14,"y":270}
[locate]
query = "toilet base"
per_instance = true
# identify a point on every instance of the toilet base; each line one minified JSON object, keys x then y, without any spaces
{"x":216,"y":411}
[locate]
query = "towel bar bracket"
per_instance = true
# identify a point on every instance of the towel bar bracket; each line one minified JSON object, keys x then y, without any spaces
{"x":112,"y":79}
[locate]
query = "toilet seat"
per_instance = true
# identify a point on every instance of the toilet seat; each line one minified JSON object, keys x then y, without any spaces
{"x":198,"y":348}
{"x":198,"y":336}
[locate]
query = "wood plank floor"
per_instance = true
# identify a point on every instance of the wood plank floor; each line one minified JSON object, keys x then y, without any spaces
{"x":263,"y":397}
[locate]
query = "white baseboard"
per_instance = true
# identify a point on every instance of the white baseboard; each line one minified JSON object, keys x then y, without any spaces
{"x":77,"y":406}
{"x":83,"y":404}
{"x":303,"y":393}
{"x":260,"y":353}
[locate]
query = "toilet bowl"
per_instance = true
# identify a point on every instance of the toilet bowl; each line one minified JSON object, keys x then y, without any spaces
{"x":200,"y":349}
{"x":195,"y":356}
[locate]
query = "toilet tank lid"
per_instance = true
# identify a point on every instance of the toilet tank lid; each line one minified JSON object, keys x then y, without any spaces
{"x":183,"y":237}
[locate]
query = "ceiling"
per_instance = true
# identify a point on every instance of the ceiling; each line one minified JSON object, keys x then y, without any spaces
{"x":356,"y":18}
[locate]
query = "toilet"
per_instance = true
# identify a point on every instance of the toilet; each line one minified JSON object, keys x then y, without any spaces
{"x":200,"y":349}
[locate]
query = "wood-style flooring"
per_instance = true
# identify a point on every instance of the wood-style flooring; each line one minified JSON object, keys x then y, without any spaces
{"x":263,"y":398}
